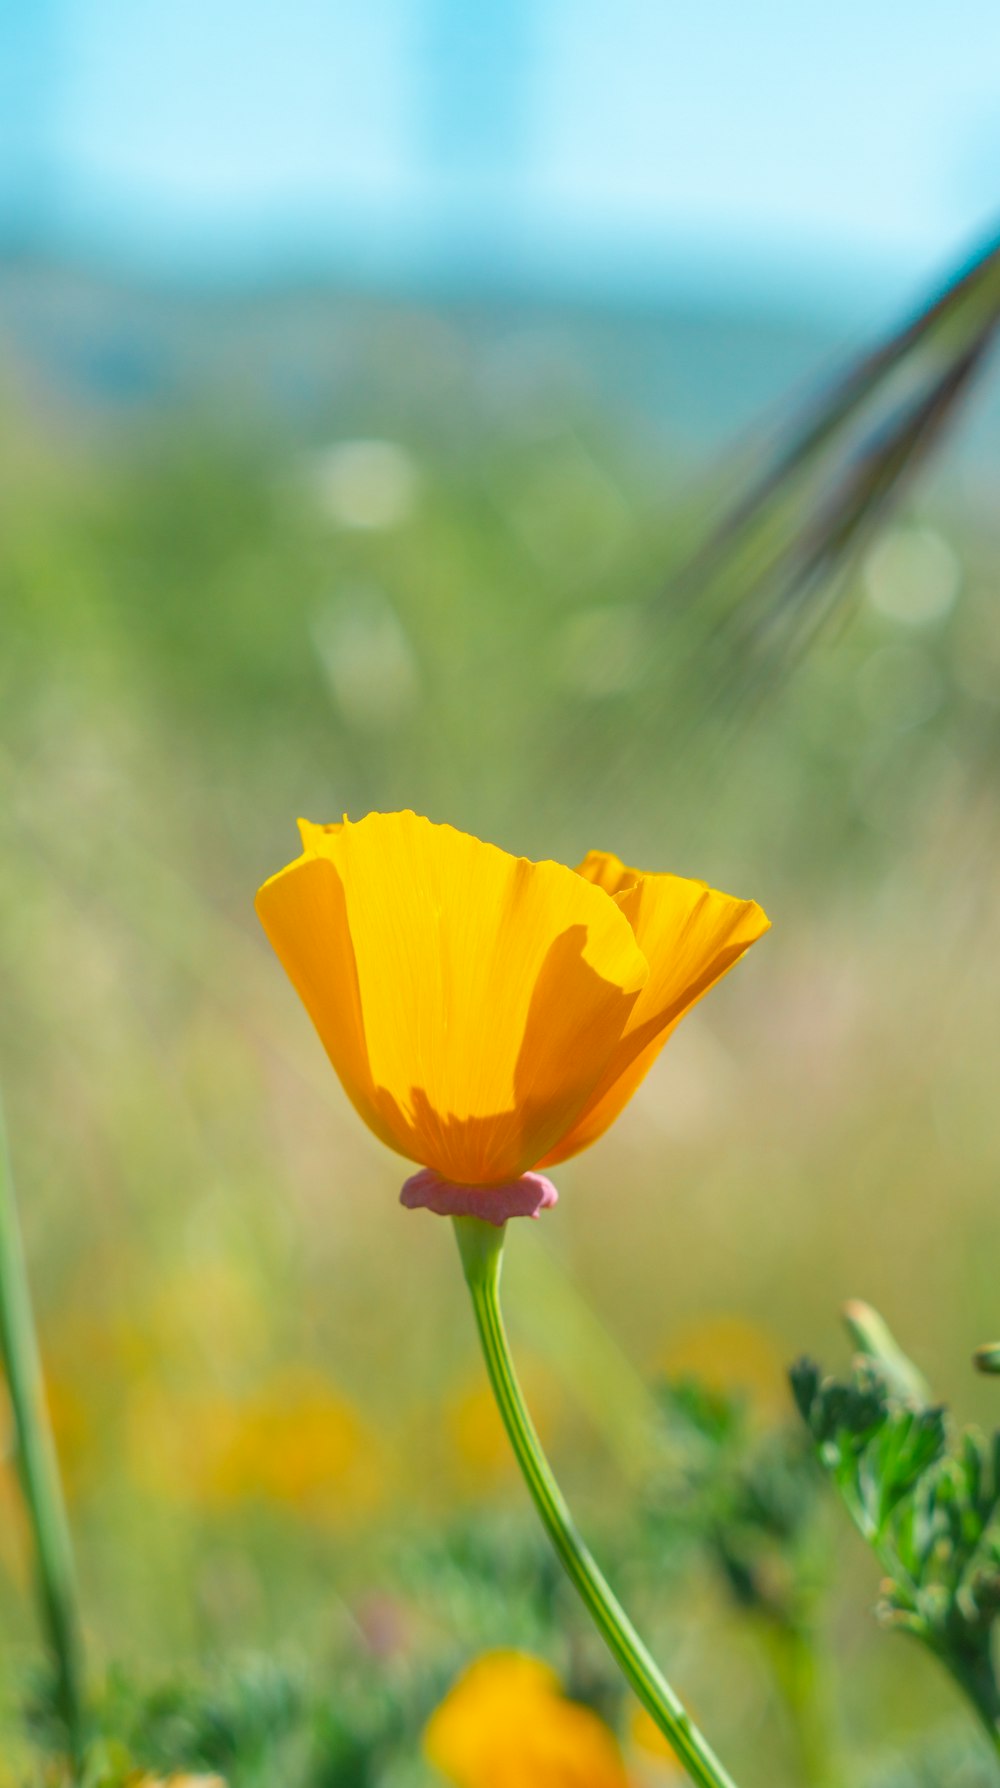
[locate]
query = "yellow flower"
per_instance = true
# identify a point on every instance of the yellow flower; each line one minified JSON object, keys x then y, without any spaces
{"x":728,"y":1354}
{"x":488,"y":1015}
{"x":298,"y":1444}
{"x":647,"y":1738}
{"x":292,"y":1443}
{"x":506,"y":1724}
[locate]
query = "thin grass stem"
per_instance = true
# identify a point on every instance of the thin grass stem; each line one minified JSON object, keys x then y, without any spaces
{"x":38,"y":1469}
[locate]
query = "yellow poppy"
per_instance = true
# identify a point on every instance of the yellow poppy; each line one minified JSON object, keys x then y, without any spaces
{"x":506,"y":1724}
{"x":488,"y":1015}
{"x":293,"y":1442}
{"x":299,"y":1444}
{"x":727,"y":1354}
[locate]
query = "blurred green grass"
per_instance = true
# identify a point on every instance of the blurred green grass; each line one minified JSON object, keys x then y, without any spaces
{"x":212,"y":623}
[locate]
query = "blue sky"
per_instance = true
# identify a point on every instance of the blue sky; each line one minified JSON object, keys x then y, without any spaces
{"x":623,"y":140}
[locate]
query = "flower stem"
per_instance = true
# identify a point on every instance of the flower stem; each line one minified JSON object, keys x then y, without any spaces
{"x":38,"y":1467}
{"x":481,"y":1247}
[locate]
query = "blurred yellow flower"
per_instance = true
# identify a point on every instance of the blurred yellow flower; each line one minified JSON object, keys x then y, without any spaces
{"x":299,"y":1444}
{"x":507,"y":1724}
{"x":728,"y":1353}
{"x":15,"y":1540}
{"x":477,"y":1434}
{"x":645,"y":1736}
{"x":72,"y":1433}
{"x":292,"y":1442}
{"x":72,"y":1429}
{"x":488,"y":1015}
{"x":479,"y":1444}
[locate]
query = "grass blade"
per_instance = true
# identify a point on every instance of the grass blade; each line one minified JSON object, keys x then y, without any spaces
{"x":38,"y":1467}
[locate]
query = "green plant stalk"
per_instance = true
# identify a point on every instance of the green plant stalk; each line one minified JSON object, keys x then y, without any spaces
{"x":38,"y":1467}
{"x":800,"y":1681}
{"x":481,"y":1248}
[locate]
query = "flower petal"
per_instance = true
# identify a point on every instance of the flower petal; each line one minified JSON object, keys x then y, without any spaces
{"x":303,"y":909}
{"x":690,"y":935}
{"x":506,"y":1724}
{"x":607,"y":871}
{"x":470,"y":1001}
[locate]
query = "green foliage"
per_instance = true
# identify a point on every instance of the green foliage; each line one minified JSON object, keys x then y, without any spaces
{"x":745,"y":1498}
{"x":254,"y":1724}
{"x":741,"y":1497}
{"x":950,"y":1759}
{"x":926,"y":1497}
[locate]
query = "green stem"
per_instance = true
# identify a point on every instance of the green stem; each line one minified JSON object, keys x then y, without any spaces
{"x":481,"y":1248}
{"x":800,"y":1681}
{"x":37,"y":1465}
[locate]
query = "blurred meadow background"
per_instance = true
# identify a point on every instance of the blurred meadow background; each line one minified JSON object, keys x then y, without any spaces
{"x":365,"y":382}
